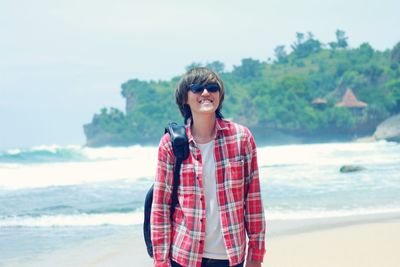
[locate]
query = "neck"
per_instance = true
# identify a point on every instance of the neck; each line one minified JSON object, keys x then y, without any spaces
{"x":203,"y":128}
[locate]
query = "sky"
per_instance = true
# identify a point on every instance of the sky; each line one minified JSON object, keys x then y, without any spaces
{"x":62,"y":61}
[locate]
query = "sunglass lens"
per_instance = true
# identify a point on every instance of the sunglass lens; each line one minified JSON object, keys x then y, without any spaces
{"x":212,"y":87}
{"x":196,"y":88}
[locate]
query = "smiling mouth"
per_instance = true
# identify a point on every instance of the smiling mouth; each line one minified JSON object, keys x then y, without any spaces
{"x":205,"y":101}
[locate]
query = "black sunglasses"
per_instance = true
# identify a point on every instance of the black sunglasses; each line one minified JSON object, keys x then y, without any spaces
{"x":197,"y":88}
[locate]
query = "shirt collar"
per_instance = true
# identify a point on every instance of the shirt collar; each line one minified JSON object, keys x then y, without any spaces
{"x":220,"y":125}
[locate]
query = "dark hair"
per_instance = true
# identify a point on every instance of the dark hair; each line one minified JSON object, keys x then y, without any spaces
{"x":198,"y":75}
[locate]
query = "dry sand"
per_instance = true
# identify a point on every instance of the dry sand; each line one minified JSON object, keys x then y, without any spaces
{"x":372,"y":244}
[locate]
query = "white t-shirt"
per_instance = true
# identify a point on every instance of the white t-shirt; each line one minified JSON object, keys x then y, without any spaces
{"x":214,"y":246}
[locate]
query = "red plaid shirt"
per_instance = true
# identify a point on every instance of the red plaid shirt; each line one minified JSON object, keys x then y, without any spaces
{"x":238,"y":193}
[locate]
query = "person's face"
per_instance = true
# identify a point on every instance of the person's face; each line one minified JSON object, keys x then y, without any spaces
{"x":203,"y":101}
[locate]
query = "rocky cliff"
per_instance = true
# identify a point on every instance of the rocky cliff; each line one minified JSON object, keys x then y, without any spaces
{"x":389,"y":129}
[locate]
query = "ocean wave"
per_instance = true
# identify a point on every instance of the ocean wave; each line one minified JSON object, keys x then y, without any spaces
{"x":70,"y":210}
{"x":95,"y":165}
{"x":121,"y":172}
{"x":270,"y":156}
{"x":122,"y":219}
{"x":74,"y":153}
{"x":43,"y":154}
{"x":136,"y":217}
{"x":320,"y":214}
{"x":130,"y":152}
{"x":329,"y":154}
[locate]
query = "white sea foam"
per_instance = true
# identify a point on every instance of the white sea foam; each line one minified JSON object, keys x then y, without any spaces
{"x":135,"y":218}
{"x":319,"y":214}
{"x":107,"y":164}
{"x":49,"y":148}
{"x":132,"y":152}
{"x":111,"y":163}
{"x":75,"y":220}
{"x":330,"y":154}
{"x":58,"y":174}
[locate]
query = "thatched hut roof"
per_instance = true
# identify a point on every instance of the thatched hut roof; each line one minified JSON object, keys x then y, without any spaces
{"x":349,"y":100}
{"x":319,"y":101}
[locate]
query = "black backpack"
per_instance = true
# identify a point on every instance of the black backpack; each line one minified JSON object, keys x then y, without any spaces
{"x":180,"y":146}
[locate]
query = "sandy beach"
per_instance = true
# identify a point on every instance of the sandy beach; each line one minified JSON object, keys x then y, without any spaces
{"x":350,"y":241}
{"x":371,"y":244}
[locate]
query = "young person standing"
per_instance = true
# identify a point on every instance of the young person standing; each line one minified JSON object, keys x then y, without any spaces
{"x":219,"y":192}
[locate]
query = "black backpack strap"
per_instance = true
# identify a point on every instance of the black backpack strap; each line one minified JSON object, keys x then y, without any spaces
{"x":174,"y":197}
{"x":146,"y":224}
{"x":180,"y":147}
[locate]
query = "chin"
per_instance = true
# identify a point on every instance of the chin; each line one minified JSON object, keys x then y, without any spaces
{"x":208,"y":110}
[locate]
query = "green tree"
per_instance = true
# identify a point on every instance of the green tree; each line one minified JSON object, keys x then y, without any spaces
{"x":341,"y":39}
{"x":303,"y":48}
{"x":216,"y":66}
{"x":395,"y":54}
{"x":280,"y":54}
{"x":250,"y":68}
{"x":366,"y":51}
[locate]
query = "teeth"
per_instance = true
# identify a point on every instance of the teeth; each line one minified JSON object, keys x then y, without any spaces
{"x":205,"y":101}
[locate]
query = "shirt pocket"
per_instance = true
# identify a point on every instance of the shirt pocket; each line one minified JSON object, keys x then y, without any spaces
{"x":187,"y":175}
{"x":187,"y":189}
{"x":234,"y":180}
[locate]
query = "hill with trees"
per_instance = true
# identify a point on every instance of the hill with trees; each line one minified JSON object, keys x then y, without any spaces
{"x":293,"y":98}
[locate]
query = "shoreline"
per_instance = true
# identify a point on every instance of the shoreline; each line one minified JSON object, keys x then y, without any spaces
{"x":268,"y":143}
{"x":307,"y":242}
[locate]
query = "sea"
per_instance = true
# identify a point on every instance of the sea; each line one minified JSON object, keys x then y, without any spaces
{"x":53,"y":197}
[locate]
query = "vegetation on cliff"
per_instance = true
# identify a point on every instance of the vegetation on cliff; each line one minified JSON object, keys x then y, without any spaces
{"x":272,"y":95}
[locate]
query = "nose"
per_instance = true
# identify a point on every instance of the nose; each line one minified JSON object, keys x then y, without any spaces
{"x":205,"y":92}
